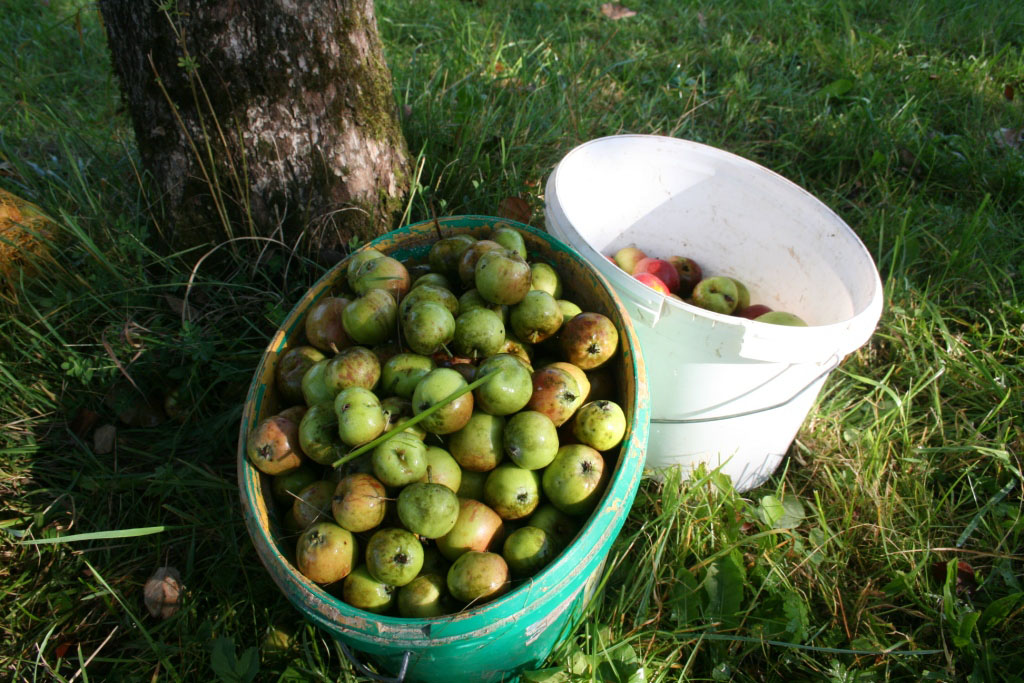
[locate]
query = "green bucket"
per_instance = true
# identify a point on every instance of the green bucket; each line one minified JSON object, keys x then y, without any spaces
{"x":513,"y":633}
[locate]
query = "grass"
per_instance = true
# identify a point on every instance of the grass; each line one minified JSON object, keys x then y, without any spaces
{"x":889,"y":546}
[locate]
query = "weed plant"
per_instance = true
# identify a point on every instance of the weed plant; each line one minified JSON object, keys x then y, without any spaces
{"x":889,"y":545}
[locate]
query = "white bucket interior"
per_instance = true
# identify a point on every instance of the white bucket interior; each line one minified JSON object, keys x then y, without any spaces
{"x":714,"y":377}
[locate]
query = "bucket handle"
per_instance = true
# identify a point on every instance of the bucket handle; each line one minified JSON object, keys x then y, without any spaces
{"x":653,"y":314}
{"x":833,"y":364}
{"x":361,"y":668}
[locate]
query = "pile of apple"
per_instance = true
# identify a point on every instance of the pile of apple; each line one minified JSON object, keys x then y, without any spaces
{"x":682,"y":278}
{"x":445,"y":427}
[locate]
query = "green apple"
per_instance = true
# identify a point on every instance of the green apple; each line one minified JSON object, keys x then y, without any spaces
{"x":530,"y":439}
{"x":428,"y":327}
{"x":429,"y":510}
{"x":718,"y":294}
{"x":359,"y":502}
{"x":313,"y":503}
{"x":274,"y":446}
{"x":364,"y":592}
{"x":742,"y":295}
{"x":479,"y":333}
{"x":477,"y":446}
{"x":600,"y":425}
{"x":470,"y":257}
{"x":478,"y":577}
{"x":545,"y":278}
{"x":627,"y":258}
{"x":589,"y":340}
{"x":356,"y":366}
{"x":400,"y":460}
{"x":511,"y":239}
{"x":781,"y":318}
{"x":477,"y":527}
{"x":402,"y":372}
{"x":535,"y":318}
{"x":318,"y":434}
{"x":575,"y":479}
{"x":394,"y":556}
{"x":555,"y":393}
{"x":471,"y":299}
{"x":432,"y":279}
{"x":357,"y":260}
{"x":423,"y":597}
{"x":323,"y":325}
{"x":314,"y":388}
{"x":506,"y":392}
{"x":442,"y":468}
{"x":291,"y":366}
{"x":582,"y":379}
{"x":511,"y":491}
{"x":286,"y":486}
{"x":569,"y":309}
{"x":326,"y":553}
{"x":445,"y":254}
{"x":472,"y":485}
{"x":428,"y":292}
{"x":527,"y":550}
{"x":360,"y":416}
{"x":561,"y":528}
{"x":370,"y":319}
{"x":385,"y":273}
{"x":502,"y":277}
{"x":436,"y":387}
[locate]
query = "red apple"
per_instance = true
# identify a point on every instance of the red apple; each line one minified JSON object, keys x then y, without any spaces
{"x":754,"y":310}
{"x":688,"y":271}
{"x":627,"y":258}
{"x":661,"y":269}
{"x":654,"y":282}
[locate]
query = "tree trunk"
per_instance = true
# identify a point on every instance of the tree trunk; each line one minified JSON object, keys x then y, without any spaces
{"x":254,"y":117}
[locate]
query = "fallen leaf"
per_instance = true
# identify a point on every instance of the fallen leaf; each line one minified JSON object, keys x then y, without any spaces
{"x":614,"y":10}
{"x":162,"y":592}
{"x":1010,"y":137}
{"x":103,"y":439}
{"x":1008,"y":91}
{"x":965,"y":580}
{"x":515,"y":209}
{"x":62,"y":649}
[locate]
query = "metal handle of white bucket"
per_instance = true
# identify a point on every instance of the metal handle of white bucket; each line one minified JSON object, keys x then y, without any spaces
{"x":361,"y":668}
{"x":833,"y":364}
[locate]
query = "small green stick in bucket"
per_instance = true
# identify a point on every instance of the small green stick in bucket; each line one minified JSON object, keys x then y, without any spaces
{"x":401,"y":427}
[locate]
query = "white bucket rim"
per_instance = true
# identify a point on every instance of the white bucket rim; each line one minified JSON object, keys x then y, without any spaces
{"x":760,"y":341}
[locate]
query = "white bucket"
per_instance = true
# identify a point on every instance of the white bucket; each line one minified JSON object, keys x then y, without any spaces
{"x":725,"y":391}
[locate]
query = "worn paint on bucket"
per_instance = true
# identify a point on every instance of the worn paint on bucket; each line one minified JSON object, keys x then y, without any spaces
{"x":725,"y":391}
{"x":519,"y":630}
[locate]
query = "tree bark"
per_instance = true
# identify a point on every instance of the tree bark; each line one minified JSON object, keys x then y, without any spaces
{"x":267,"y":117}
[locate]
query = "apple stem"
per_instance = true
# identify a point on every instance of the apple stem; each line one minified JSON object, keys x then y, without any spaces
{"x":402,"y":426}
